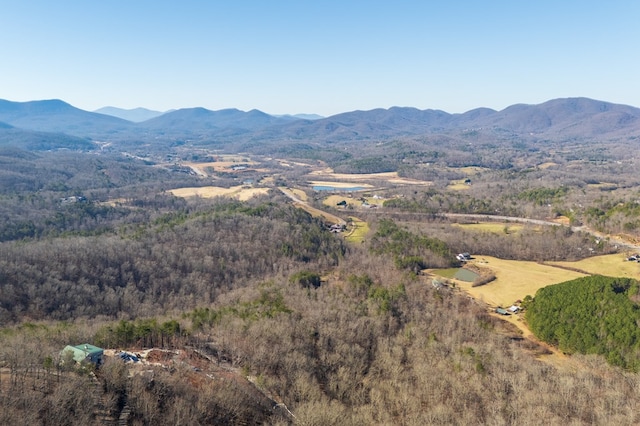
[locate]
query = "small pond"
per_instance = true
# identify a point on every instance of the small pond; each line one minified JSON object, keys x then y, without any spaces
{"x":461,"y":274}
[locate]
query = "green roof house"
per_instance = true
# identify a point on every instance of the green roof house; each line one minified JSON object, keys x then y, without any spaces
{"x":85,"y":353}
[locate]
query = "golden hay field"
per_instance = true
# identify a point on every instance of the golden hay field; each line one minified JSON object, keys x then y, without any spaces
{"x":491,"y":227}
{"x":390,"y":177}
{"x":546,"y":165}
{"x":472,"y":170}
{"x":359,"y":229}
{"x":333,"y":200}
{"x":218,"y":166}
{"x":514,"y":279}
{"x":240,"y":192}
{"x":613,"y":265}
{"x":300,"y":194}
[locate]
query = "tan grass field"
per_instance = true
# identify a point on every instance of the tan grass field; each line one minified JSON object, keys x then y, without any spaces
{"x":269,"y":180}
{"x":613,"y":265}
{"x":300,"y":194}
{"x":218,"y":166}
{"x":391,"y":177}
{"x":358,"y":232}
{"x":240,"y":192}
{"x":544,"y":166}
{"x":472,"y":170}
{"x":333,"y":200}
{"x":492,"y":227}
{"x":458,"y":185}
{"x":514,"y":280}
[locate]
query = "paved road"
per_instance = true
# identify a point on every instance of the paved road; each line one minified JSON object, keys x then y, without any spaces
{"x":489,"y":218}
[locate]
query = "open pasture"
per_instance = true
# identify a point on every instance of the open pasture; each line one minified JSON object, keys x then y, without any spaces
{"x":203,"y":169}
{"x":472,"y":170}
{"x":386,"y":177}
{"x":491,"y":227}
{"x":544,"y":166}
{"x":612,"y":265}
{"x":333,"y":200}
{"x":514,"y":279}
{"x":240,"y":192}
{"x":458,"y":185}
{"x":358,"y":231}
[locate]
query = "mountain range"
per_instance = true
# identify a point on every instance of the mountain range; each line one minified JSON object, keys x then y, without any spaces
{"x":558,"y":119}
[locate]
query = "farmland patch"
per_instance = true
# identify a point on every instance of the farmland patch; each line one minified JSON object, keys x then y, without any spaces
{"x":240,"y":192}
{"x":491,"y":227}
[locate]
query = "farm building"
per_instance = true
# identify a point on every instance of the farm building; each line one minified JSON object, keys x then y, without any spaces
{"x":85,"y":353}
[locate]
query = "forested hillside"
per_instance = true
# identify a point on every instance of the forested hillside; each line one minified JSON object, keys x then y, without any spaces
{"x":179,"y":260}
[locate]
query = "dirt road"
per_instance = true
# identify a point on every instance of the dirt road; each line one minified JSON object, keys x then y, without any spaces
{"x":328,"y":217}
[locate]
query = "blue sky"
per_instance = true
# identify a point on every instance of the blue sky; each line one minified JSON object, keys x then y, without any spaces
{"x":322,"y":57}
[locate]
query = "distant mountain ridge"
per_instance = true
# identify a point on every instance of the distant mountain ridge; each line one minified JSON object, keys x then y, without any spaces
{"x":135,"y":115}
{"x":567,"y":118}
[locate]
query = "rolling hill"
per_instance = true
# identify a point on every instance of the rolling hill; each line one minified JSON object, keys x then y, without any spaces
{"x":41,"y":141}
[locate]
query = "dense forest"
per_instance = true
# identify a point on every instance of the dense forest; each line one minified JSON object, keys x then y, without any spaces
{"x":590,"y":315}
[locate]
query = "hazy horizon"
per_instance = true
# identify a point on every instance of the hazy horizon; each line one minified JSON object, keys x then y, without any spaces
{"x":319,"y":58}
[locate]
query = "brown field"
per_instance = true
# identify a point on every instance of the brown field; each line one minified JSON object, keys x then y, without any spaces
{"x":240,"y":192}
